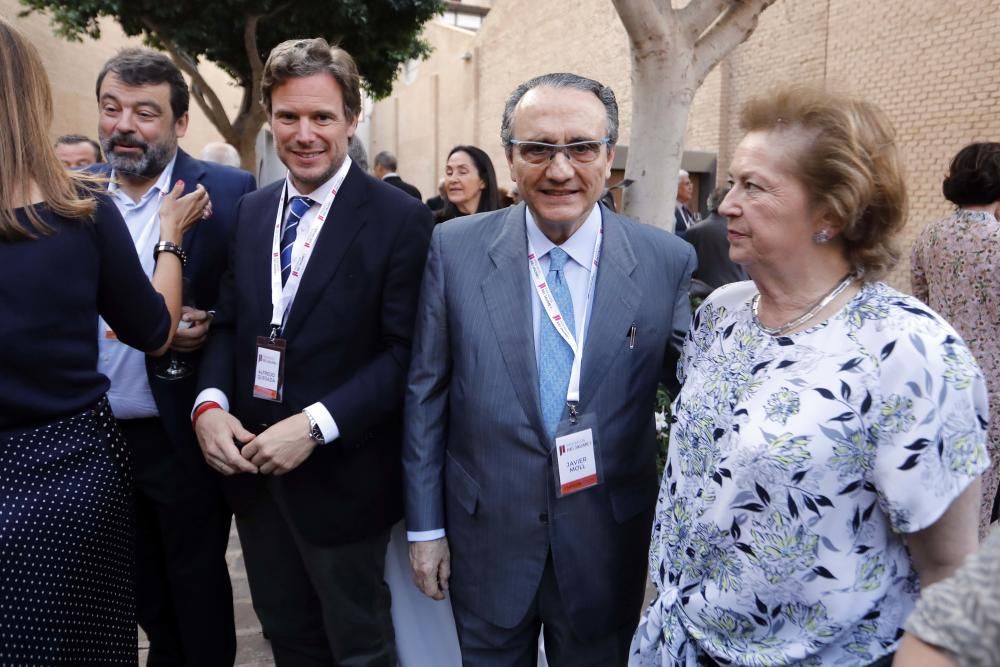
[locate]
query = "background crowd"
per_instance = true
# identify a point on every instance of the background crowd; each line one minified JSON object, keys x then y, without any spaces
{"x":472,"y":380}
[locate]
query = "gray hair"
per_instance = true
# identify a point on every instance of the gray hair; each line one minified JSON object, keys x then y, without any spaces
{"x":681,"y":173}
{"x":356,"y":151}
{"x":561,"y":80}
{"x":386,"y":160}
{"x":222,"y":153}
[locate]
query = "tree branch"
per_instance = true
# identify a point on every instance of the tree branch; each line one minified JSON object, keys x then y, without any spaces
{"x":648,"y":26}
{"x":699,"y":15}
{"x":203,"y":93}
{"x":253,"y":54}
{"x":732,"y":29}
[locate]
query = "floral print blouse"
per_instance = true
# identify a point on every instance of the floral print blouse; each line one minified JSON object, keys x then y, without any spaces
{"x":796,"y":464}
{"x":955,"y":269}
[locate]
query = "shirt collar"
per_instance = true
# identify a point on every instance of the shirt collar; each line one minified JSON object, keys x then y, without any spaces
{"x":390,"y":175}
{"x":320,"y":194}
{"x":161,"y":186}
{"x":579,"y":246}
{"x":983,"y":216}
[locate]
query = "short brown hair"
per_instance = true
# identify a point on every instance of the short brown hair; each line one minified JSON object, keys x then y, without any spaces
{"x":297,"y":58}
{"x":850,"y":166}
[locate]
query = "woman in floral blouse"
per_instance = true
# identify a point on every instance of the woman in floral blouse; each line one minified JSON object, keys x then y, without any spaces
{"x":955,"y":269}
{"x":828,"y":440}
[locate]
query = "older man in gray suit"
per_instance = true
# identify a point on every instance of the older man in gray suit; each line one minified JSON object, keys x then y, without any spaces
{"x":530,"y":445}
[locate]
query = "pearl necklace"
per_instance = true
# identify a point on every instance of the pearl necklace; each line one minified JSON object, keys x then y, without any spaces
{"x":809,"y":314}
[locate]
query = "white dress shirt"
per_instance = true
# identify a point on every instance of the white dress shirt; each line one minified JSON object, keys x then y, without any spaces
{"x":130,"y":395}
{"x":580,"y":248}
{"x":327,"y":425}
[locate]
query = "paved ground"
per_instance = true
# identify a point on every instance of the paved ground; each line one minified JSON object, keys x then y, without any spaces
{"x":252,"y":649}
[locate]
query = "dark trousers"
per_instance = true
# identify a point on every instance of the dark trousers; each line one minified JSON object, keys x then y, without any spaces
{"x":319,"y":605}
{"x":184,"y":598}
{"x":486,"y":645}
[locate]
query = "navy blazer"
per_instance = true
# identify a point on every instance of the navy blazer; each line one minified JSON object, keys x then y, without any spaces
{"x":207,"y":247}
{"x":348,"y":333}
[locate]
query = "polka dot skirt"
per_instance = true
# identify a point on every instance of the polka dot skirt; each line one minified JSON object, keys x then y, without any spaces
{"x":66,"y":545}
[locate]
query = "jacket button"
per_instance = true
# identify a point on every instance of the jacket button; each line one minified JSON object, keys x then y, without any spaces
{"x":543,"y":518}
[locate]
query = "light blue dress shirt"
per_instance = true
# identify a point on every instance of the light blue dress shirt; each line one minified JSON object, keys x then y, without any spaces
{"x":130,"y":395}
{"x":580,"y":248}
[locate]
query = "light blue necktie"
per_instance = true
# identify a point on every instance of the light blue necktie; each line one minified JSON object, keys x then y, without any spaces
{"x":555,"y":357}
{"x":299,"y":206}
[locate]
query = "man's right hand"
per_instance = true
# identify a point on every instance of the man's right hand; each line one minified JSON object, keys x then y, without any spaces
{"x":217,"y":431}
{"x":431,"y":563}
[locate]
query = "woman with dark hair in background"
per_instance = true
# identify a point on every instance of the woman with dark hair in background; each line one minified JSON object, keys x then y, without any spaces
{"x":66,"y":547}
{"x":470,"y":183}
{"x":955,"y":269}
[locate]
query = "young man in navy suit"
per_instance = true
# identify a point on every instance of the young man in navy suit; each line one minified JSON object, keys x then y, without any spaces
{"x":184,"y":599}
{"x":303,"y":381}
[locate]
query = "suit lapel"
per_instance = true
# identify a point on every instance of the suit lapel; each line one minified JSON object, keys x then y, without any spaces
{"x":346,"y":218}
{"x":507,"y":293}
{"x":616,"y":297}
{"x":190,"y":171}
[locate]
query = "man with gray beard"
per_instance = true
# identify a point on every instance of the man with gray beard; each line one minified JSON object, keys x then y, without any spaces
{"x":184,"y":599}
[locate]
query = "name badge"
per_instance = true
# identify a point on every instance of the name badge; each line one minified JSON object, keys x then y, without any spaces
{"x":576,"y":455}
{"x":269,"y":374}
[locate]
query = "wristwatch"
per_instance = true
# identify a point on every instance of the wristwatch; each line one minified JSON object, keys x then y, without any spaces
{"x":314,"y":431}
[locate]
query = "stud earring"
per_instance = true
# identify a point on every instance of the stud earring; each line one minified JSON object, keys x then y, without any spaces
{"x":822,"y":236}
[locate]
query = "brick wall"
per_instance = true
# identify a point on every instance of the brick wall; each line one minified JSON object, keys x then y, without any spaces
{"x":932,"y":65}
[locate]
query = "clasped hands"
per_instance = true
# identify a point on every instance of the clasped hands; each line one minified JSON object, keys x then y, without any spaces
{"x":276,"y":451}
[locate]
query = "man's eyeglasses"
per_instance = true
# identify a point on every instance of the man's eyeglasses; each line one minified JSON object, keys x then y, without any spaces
{"x":539,"y":152}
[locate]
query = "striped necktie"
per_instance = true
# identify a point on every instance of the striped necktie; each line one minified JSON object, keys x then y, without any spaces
{"x":299,"y":206}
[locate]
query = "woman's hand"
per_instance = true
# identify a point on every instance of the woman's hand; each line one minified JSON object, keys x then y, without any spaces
{"x":178,"y":214}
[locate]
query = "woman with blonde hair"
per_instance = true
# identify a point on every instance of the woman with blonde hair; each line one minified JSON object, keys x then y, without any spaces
{"x":66,"y":548}
{"x":827,"y":443}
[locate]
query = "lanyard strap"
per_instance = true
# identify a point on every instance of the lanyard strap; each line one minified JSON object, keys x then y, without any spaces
{"x":556,"y":318}
{"x":308,"y":242}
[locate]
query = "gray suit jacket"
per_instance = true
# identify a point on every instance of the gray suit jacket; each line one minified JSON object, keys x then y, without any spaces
{"x":476,"y":457}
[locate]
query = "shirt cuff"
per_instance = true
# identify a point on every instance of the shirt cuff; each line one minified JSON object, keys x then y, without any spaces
{"x":211,"y":394}
{"x":424,"y":535}
{"x":327,"y":426}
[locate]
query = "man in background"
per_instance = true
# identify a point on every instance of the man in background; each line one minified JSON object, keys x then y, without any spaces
{"x":385,"y":169}
{"x":710,"y":239}
{"x":76,"y":151}
{"x":220,"y":152}
{"x":683,"y":217}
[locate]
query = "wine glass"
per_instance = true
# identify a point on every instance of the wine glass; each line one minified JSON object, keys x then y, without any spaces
{"x":177,"y":369}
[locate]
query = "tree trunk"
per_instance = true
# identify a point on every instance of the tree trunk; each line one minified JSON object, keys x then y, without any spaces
{"x":662,"y":93}
{"x":245,"y":140}
{"x":673,"y":50}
